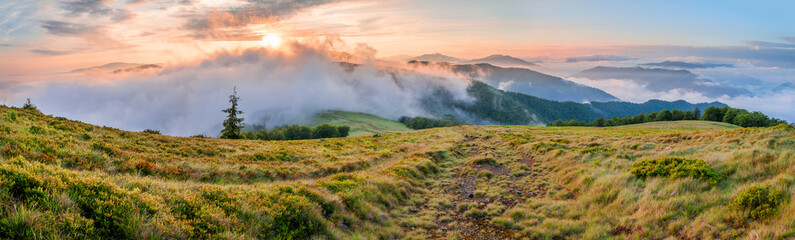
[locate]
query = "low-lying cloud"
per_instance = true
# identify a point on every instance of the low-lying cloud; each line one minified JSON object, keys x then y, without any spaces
{"x":275,"y":87}
{"x":598,"y":58}
{"x":774,"y":104}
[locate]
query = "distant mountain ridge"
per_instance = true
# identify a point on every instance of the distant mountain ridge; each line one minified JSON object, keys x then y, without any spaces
{"x":495,"y":59}
{"x":494,"y":106}
{"x":436,"y":57}
{"x":528,"y":82}
{"x":501,"y":60}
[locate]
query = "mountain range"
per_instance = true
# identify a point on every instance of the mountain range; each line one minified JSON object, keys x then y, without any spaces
{"x":494,"y":106}
{"x":526,"y":81}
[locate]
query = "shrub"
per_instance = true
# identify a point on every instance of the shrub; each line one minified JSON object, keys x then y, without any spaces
{"x":29,"y":106}
{"x":342,"y":182}
{"x":21,"y":223}
{"x":151,"y":131}
{"x":475,"y":213}
{"x":423,"y":122}
{"x":146,"y":167}
{"x":485,"y":161}
{"x":297,"y":132}
{"x":106,"y":148}
{"x":5,"y":129}
{"x":596,"y":149}
{"x":325,"y":131}
{"x":344,"y":130}
{"x":675,"y":167}
{"x":759,"y":202}
{"x":36,"y":130}
{"x":485,"y":174}
{"x":11,"y":115}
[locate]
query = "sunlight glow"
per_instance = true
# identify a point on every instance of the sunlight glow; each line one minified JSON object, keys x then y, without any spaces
{"x":272,"y":40}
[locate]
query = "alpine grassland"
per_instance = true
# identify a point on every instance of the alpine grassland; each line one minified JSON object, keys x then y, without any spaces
{"x":63,"y":179}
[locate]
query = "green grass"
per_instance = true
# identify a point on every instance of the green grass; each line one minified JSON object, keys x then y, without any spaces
{"x":70,"y":180}
{"x":680,"y":125}
{"x":361,"y":124}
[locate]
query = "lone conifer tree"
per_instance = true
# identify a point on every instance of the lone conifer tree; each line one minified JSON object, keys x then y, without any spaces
{"x":233,"y":124}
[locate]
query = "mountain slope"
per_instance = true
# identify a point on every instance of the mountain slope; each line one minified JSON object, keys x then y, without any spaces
{"x":494,"y":106}
{"x":532,"y":83}
{"x":69,"y":180}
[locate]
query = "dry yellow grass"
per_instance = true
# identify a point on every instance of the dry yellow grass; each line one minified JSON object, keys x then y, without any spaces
{"x":474,"y":182}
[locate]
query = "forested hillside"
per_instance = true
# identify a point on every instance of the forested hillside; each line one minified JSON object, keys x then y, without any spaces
{"x":494,"y":106}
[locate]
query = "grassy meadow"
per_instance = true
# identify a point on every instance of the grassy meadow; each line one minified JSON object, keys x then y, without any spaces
{"x":361,"y":124}
{"x":62,"y":179}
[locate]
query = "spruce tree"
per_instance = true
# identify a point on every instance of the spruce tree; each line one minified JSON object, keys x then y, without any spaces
{"x":233,"y":124}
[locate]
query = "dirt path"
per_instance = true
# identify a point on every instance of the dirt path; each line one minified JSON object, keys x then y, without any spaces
{"x":462,"y":187}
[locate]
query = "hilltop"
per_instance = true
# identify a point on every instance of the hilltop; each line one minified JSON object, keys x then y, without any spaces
{"x":70,"y":180}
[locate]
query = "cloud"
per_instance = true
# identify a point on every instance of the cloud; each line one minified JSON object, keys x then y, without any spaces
{"x":276,"y":88}
{"x":774,"y":104}
{"x":229,"y":24}
{"x":789,"y":39}
{"x":763,"y":56}
{"x":758,"y":44}
{"x":51,"y":52}
{"x":658,"y":79}
{"x":92,"y":7}
{"x":120,"y":15}
{"x":5,"y":45}
{"x":686,"y":65}
{"x":97,"y":8}
{"x":597,"y":58}
{"x":67,"y":29}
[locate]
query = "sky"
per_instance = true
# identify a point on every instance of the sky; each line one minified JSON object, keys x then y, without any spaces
{"x":74,"y":33}
{"x":40,"y":39}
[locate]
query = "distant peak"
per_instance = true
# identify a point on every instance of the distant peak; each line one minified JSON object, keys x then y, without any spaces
{"x":502,"y":61}
{"x":436,"y":57}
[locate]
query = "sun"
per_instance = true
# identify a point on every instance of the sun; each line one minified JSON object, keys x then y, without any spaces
{"x":271,"y":40}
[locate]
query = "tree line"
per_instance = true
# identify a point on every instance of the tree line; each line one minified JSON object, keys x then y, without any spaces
{"x":423,"y":122}
{"x":297,"y":132}
{"x":233,"y":128}
{"x":736,"y":116}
